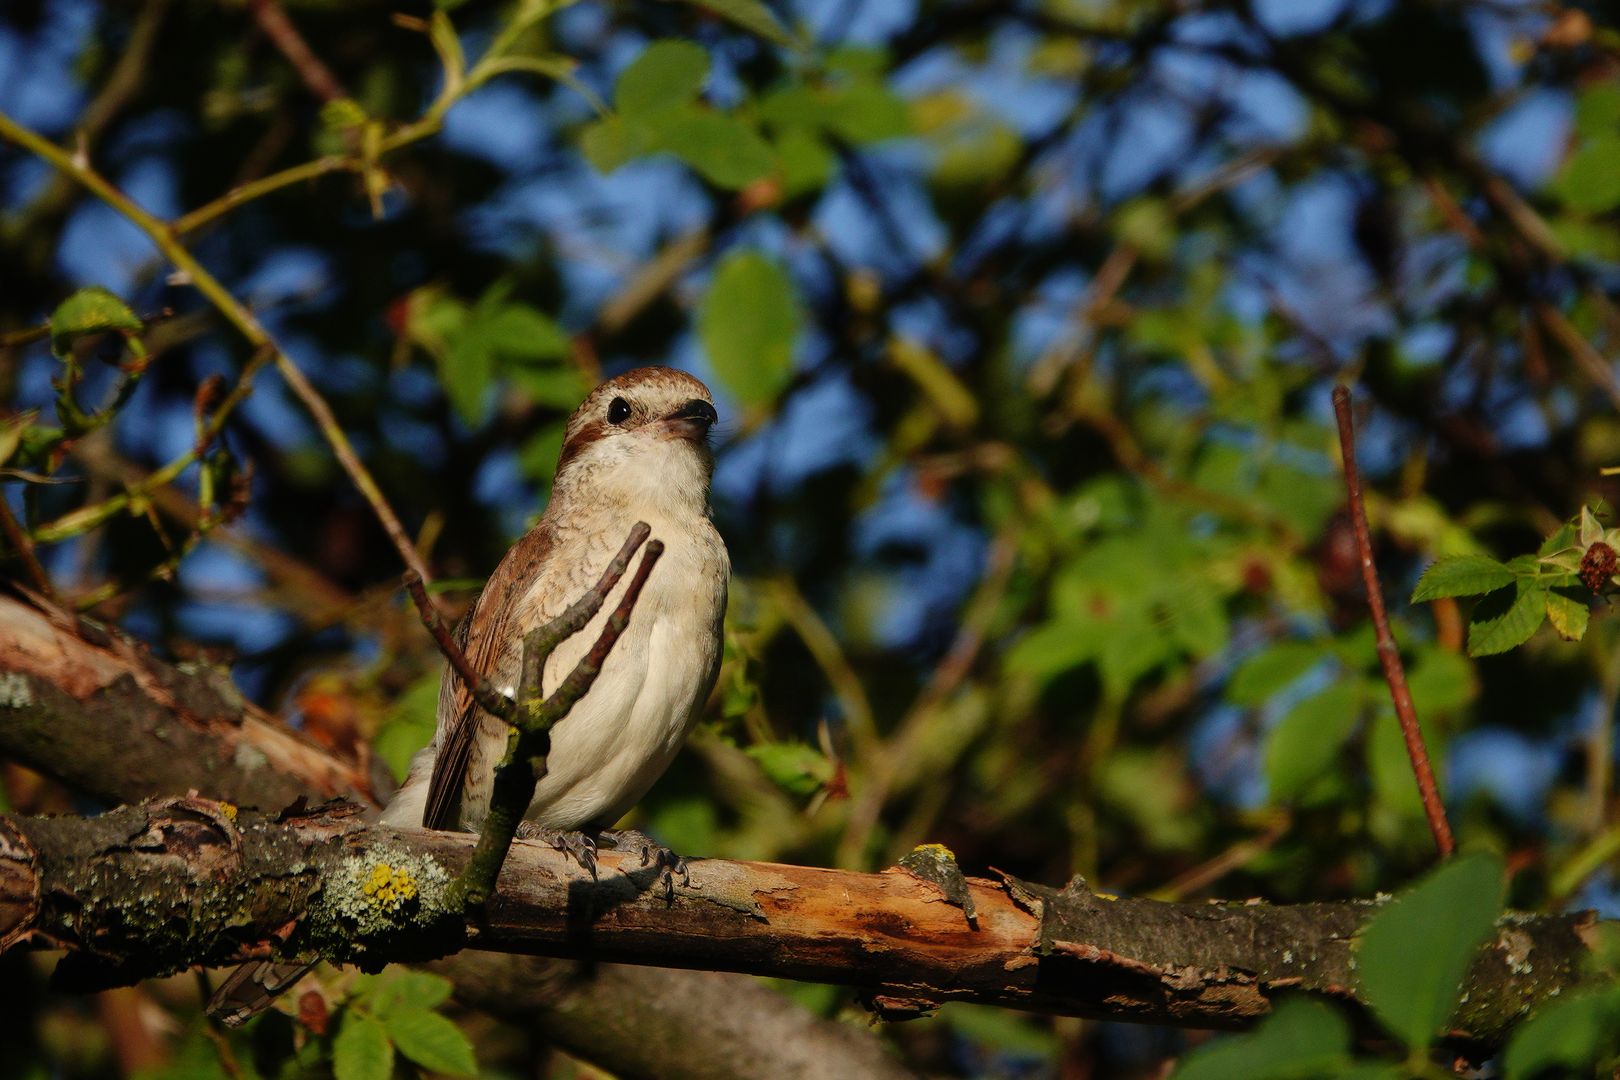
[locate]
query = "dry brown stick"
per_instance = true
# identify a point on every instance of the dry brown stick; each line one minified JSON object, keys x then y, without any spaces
{"x":17,"y":537}
{"x":1388,"y":655}
{"x":286,"y":38}
{"x":489,"y":699}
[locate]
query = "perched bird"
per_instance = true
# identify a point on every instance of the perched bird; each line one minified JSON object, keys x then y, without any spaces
{"x":635,"y":450}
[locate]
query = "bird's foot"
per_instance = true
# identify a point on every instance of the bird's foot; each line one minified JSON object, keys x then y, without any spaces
{"x":666,"y":863}
{"x":576,"y":845}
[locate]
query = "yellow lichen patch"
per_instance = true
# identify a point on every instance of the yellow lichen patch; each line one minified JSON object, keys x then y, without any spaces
{"x":934,"y":851}
{"x":389,"y":887}
{"x":229,"y":810}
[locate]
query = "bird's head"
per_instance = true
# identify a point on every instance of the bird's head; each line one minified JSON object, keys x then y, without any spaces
{"x":641,"y":438}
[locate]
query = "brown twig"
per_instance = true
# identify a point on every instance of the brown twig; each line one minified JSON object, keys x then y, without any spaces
{"x":1388,"y":655}
{"x":17,"y":537}
{"x":489,"y":699}
{"x":286,"y":38}
{"x":524,"y":763}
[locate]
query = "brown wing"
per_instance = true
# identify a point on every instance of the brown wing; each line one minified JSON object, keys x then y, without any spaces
{"x":483,"y":636}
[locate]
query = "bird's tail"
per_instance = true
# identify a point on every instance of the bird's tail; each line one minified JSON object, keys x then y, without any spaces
{"x":249,"y":990}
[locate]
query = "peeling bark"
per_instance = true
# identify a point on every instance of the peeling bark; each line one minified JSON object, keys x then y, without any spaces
{"x":171,"y":883}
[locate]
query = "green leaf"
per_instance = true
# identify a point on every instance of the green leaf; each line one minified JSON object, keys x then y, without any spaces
{"x":608,"y":144}
{"x":749,"y":324}
{"x":465,"y":368}
{"x":751,"y":15}
{"x":1440,"y":680}
{"x":431,"y":1041}
{"x":724,"y":150}
{"x":519,"y":333}
{"x":1568,"y":1036}
{"x":792,"y":766}
{"x":1301,"y":1038}
{"x":361,"y":1050}
{"x":1597,"y":109}
{"x":1591,"y":180}
{"x":1306,"y":741}
{"x":405,"y":989}
{"x":1270,"y":670}
{"x":666,"y":74}
{"x":408,"y":725}
{"x":1461,"y":575}
{"x":807,"y":162}
{"x":1054,"y":647}
{"x":1507,"y":617}
{"x":1568,"y":610}
{"x":1412,"y":956}
{"x":92,"y":310}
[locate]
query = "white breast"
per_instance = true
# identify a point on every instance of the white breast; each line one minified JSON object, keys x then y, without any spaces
{"x":624,"y":733}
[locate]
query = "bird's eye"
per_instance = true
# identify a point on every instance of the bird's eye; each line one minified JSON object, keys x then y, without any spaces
{"x":618,"y":411}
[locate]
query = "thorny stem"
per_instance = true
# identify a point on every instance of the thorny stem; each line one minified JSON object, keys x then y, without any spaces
{"x":1388,"y":655}
{"x":237,"y":314}
{"x":529,"y":741}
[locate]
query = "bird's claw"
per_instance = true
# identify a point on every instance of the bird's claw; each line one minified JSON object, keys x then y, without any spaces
{"x":665,"y":862}
{"x":576,"y":845}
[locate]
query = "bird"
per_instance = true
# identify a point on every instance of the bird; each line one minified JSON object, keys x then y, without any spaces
{"x":635,"y":450}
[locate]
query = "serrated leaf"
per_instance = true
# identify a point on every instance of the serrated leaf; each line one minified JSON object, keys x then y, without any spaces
{"x":432,"y":1041}
{"x":1507,"y":618}
{"x":1566,"y":1037}
{"x":722,"y":149}
{"x":751,"y":15}
{"x":1306,"y":742}
{"x":749,"y":324}
{"x":1412,"y":956}
{"x":666,"y":74}
{"x":361,"y":1050}
{"x":91,"y":310}
{"x":1270,"y":670}
{"x":1300,"y":1038}
{"x":1461,"y":575}
{"x":1569,"y":611}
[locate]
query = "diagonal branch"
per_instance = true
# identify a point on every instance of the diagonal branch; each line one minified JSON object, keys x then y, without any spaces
{"x":317,"y":77}
{"x":1388,"y":655}
{"x":237,"y":314}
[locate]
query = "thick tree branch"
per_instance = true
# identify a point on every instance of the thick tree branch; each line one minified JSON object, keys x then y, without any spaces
{"x":156,"y":887}
{"x":113,"y":726}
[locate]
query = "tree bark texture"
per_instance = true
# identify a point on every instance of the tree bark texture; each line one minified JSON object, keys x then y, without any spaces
{"x":102,"y":715}
{"x":169,"y":883}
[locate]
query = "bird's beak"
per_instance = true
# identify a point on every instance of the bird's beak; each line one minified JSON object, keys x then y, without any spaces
{"x":692,"y":419}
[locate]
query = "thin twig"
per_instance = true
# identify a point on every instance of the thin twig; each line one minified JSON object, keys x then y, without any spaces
{"x":237,"y":314}
{"x":1388,"y":655}
{"x":286,"y":38}
{"x":483,"y":691}
{"x":17,"y":537}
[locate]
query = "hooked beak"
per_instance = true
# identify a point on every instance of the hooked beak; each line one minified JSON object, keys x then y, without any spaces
{"x":693,"y":419}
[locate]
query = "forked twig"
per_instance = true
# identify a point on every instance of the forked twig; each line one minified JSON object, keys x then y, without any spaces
{"x":532,"y":715}
{"x":558,"y":630}
{"x":1388,"y":655}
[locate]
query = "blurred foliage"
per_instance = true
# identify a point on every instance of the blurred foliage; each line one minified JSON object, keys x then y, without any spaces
{"x":1023,"y":319}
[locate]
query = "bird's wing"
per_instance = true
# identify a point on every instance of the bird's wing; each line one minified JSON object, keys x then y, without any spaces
{"x":484,"y":635}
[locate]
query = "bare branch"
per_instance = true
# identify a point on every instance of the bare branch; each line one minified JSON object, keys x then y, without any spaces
{"x":17,"y":537}
{"x":1388,"y":655}
{"x":286,"y":38}
{"x":150,"y":888}
{"x":489,"y":699}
